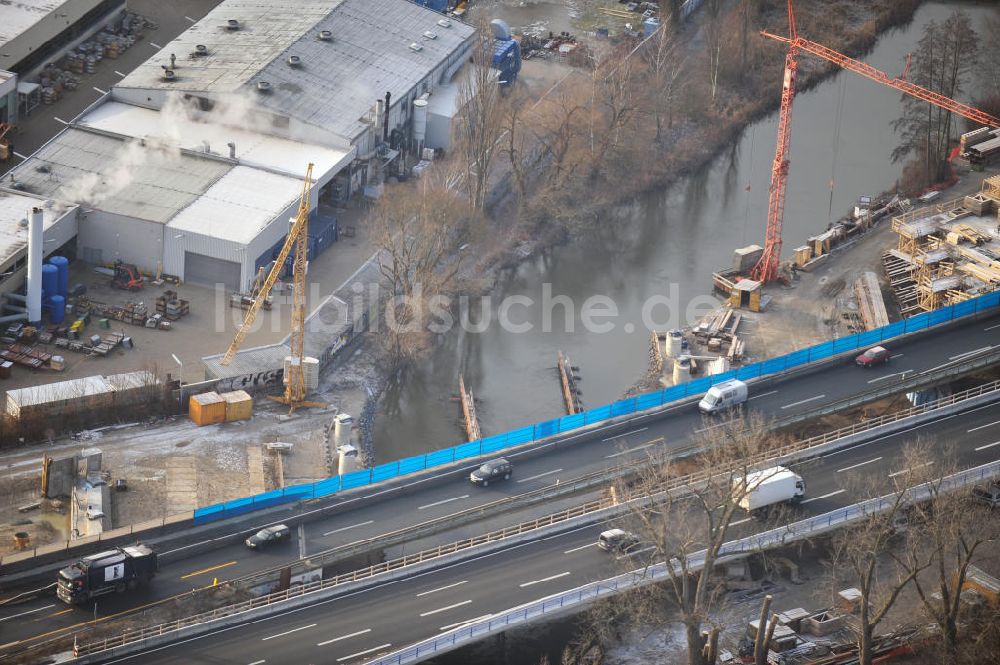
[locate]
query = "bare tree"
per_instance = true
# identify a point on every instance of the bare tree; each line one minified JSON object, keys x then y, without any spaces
{"x":867,"y":555}
{"x":481,"y":118}
{"x":713,"y":41}
{"x":688,"y":527}
{"x":666,"y":65}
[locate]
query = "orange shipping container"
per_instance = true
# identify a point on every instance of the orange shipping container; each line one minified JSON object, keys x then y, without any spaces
{"x":239,"y":405}
{"x":207,"y":409}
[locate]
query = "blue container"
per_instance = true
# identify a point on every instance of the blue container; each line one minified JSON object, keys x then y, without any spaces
{"x":58,"y":309}
{"x":436,"y":5}
{"x":62,"y":263}
{"x":507,"y":59}
{"x":649,"y":26}
{"x":50,"y":280}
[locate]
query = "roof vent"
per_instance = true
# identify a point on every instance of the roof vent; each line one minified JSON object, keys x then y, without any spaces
{"x":294,"y":61}
{"x":430,"y":35}
{"x":168,"y":75}
{"x":263,"y":86}
{"x":232,"y":24}
{"x":200,"y":49}
{"x":444,"y":23}
{"x":325,"y":35}
{"x":415,"y":47}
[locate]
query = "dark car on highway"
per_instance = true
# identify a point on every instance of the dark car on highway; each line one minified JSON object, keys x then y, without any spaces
{"x":269,"y":536}
{"x":498,"y":469}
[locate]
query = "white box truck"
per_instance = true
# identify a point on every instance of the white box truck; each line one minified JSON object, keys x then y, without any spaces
{"x":768,"y":487}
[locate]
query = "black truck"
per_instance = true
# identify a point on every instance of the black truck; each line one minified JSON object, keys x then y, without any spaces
{"x":114,"y":570}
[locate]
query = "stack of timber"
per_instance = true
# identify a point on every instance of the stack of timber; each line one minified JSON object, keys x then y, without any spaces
{"x":26,"y":355}
{"x":870,"y":301}
{"x":718,"y":330}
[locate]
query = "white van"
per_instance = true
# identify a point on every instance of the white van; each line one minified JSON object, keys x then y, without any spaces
{"x":723,"y":396}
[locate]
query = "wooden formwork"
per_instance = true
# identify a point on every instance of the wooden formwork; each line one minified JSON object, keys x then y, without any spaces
{"x":991,"y":187}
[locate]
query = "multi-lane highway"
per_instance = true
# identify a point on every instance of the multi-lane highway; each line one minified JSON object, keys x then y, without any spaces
{"x":350,"y":628}
{"x":437,"y":497}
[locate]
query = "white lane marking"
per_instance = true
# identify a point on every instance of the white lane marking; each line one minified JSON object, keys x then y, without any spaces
{"x":992,"y":327}
{"x":742,"y":521}
{"x":970,"y":353}
{"x":722,"y":424}
{"x":14,"y":616}
{"x":58,"y":119}
{"x":988,"y":445}
{"x":119,"y":73}
{"x":190,"y":19}
{"x":540,"y":475}
{"x":825,"y":496}
{"x":895,"y":355}
{"x":631,"y":450}
{"x":618,"y":436}
{"x":257,"y":662}
{"x":362,"y":653}
{"x":344,"y":637}
{"x":462,"y":623}
{"x":919,"y":466}
{"x":287,"y":632}
{"x":155,"y":45}
{"x":450,"y":586}
{"x":974,"y":429}
{"x":353,"y":526}
{"x":854,"y":466}
{"x":761,"y":395}
{"x":103,"y":92}
{"x":581,"y":547}
{"x":889,"y":376}
{"x":443,"y":501}
{"x":811,"y":399}
{"x":445,"y":609}
{"x":544,"y":579}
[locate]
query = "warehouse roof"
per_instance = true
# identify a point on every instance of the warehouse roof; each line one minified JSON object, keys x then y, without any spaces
{"x":59,"y":391}
{"x":141,"y":179}
{"x":176,"y":125}
{"x":16,"y":18}
{"x":14,"y":211}
{"x":233,"y":57}
{"x":240,"y":205}
{"x":377,"y":46}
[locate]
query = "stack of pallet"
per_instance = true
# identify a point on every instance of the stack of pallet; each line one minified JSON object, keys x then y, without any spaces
{"x":134,"y":313}
{"x":171,"y":307}
{"x":870,"y":302}
{"x":26,"y":355}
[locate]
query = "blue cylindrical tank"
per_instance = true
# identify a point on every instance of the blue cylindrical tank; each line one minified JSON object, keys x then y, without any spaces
{"x":62,"y":263}
{"x":50,"y":280}
{"x":58,"y":309}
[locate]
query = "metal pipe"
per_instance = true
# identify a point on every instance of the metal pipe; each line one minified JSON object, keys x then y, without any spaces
{"x":35,"y":244}
{"x":13,"y":317}
{"x":15,"y":296}
{"x":385,"y":120}
{"x":15,"y":308}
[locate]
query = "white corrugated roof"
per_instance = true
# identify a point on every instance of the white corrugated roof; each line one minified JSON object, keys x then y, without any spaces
{"x":126,"y":177}
{"x":130,"y":380}
{"x":239,"y":206}
{"x":176,"y":125}
{"x":17,"y":17}
{"x":59,"y":391}
{"x":14,"y":208}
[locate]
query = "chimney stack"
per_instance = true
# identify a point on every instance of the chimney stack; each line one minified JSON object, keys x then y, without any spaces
{"x":35,"y":245}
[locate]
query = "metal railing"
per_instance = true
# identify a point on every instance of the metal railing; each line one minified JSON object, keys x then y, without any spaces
{"x":607,"y":505}
{"x":580,"y":597}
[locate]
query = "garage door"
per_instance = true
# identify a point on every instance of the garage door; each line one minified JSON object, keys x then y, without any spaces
{"x":201,"y":269}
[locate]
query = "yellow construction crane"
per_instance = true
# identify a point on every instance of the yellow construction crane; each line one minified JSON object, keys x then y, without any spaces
{"x":295,"y":384}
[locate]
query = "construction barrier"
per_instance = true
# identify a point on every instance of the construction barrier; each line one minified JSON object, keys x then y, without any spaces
{"x":543,"y":430}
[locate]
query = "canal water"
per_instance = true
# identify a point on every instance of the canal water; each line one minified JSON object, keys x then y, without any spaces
{"x":665,"y":245}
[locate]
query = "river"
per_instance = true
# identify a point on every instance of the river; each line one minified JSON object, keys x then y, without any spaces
{"x":668,"y":240}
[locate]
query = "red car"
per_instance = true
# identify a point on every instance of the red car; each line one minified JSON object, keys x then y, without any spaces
{"x":876,"y":355}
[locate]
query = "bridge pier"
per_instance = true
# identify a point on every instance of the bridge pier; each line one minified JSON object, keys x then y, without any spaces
{"x":472,"y":428}
{"x":572,"y":395}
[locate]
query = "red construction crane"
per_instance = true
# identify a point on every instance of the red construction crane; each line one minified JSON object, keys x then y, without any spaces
{"x":766,"y":269}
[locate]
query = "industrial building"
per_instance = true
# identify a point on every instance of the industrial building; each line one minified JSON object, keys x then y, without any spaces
{"x":79,"y":395}
{"x":59,"y":228}
{"x":193,"y":165}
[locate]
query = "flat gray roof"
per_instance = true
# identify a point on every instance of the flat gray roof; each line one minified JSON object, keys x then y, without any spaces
{"x":338,"y":81}
{"x":134,"y":178}
{"x":18,"y":17}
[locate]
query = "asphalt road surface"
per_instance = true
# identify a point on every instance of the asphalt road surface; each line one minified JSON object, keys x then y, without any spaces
{"x":350,"y":628}
{"x":445,"y":496}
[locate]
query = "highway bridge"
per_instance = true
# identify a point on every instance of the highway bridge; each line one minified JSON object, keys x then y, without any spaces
{"x":447,"y":492}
